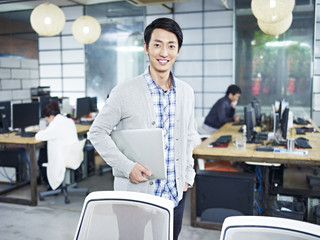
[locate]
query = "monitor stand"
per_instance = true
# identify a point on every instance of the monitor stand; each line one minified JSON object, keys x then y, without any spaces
{"x":254,"y":139}
{"x":23,"y":133}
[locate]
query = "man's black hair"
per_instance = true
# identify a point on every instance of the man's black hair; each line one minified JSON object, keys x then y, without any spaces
{"x":233,"y":89}
{"x":166,"y":24}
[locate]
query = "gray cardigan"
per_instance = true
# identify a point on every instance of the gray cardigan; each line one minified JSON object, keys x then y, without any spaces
{"x":130,"y":106}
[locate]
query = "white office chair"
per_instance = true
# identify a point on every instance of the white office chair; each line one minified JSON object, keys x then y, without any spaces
{"x":73,"y":161}
{"x":266,"y":228}
{"x":125,"y":215}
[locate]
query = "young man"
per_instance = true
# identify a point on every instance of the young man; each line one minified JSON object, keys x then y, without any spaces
{"x":223,"y":110}
{"x":155,"y":99}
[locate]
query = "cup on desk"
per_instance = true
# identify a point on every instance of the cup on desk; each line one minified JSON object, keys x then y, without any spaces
{"x":290,"y":144}
{"x":240,"y":142}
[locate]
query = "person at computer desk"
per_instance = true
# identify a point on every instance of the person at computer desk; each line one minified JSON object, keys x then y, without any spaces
{"x":223,"y":110}
{"x":155,"y":99}
{"x":60,"y":133}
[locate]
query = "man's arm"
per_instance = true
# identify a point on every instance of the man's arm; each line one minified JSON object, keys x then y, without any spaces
{"x":225,"y":112}
{"x":99,"y":135}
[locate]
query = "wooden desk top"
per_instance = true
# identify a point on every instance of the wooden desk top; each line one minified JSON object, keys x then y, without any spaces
{"x":12,"y":138}
{"x":81,"y":129}
{"x":231,"y":153}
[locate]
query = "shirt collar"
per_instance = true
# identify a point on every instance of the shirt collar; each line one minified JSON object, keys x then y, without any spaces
{"x":153,"y":85}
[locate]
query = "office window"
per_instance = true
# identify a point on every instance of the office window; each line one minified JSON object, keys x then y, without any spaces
{"x":17,"y":38}
{"x":276,"y":67}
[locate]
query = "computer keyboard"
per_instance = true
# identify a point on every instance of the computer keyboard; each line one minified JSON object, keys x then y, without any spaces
{"x":27,"y":134}
{"x":265,"y":148}
{"x":301,"y":121}
{"x":302,"y":143}
{"x":299,"y":131}
{"x":221,"y":139}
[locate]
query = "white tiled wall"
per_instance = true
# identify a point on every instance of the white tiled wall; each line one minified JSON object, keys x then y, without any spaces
{"x":62,"y":60}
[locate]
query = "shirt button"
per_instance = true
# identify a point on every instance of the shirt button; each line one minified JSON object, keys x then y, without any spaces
{"x":151,"y":183}
{"x":177,"y":159}
{"x":153,"y":122}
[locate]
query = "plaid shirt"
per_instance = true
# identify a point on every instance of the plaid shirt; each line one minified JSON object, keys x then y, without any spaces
{"x":164,"y":103}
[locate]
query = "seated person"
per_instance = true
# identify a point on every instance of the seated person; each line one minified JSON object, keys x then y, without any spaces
{"x":223,"y":110}
{"x":60,"y":133}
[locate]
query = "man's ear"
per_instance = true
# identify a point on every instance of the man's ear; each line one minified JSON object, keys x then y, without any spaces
{"x":145,"y":48}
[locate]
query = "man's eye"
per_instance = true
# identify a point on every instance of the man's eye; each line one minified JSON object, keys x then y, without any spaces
{"x":172,"y":46}
{"x":156,"y":45}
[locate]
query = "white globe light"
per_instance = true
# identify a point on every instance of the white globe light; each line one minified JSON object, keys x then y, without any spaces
{"x":47,"y":19}
{"x":272,"y":11}
{"x":86,"y":29}
{"x":276,"y":28}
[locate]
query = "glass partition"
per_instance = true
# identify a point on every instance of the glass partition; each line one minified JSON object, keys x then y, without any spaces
{"x":276,"y":67}
{"x":118,"y":54}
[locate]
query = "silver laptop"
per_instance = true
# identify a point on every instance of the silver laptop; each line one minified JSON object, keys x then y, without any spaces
{"x":144,"y":146}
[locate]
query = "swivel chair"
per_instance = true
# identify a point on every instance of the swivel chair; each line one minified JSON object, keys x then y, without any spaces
{"x":74,"y":159}
{"x":265,"y":228}
{"x":125,"y":215}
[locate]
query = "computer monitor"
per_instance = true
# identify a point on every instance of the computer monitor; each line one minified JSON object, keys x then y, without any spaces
{"x":93,"y":104}
{"x":250,"y":122}
{"x":256,"y":105}
{"x":282,"y":105}
{"x":274,"y":120}
{"x":83,"y":107}
{"x":230,"y":190}
{"x":25,"y":115}
{"x":284,"y":122}
{"x":5,"y":116}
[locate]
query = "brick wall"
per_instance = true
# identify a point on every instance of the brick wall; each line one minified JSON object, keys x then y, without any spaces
{"x":17,"y":76}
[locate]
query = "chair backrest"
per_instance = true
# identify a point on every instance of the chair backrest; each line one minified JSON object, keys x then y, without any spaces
{"x":125,"y":215}
{"x":266,"y":228}
{"x":74,"y":154}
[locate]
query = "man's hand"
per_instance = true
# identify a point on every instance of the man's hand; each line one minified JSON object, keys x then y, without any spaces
{"x":237,"y":118}
{"x":186,"y":186}
{"x":234,"y":104}
{"x":139,"y":174}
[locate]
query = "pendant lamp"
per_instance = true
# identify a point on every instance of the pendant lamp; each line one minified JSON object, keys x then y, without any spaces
{"x":272,"y":11}
{"x":86,"y":29}
{"x":276,"y":28}
{"x":47,"y":19}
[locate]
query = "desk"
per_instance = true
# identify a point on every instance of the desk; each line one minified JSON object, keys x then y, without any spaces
{"x":30,"y":144}
{"x":249,"y":154}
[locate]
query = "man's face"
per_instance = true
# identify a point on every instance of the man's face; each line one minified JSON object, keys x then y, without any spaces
{"x":234,"y":98}
{"x":162,"y":51}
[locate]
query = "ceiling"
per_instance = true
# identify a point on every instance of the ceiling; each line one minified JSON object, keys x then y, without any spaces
{"x":17,"y":5}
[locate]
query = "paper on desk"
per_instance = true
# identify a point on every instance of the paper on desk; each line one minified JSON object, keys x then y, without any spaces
{"x":296,"y":151}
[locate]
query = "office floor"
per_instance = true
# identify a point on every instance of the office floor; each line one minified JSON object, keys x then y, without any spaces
{"x":53,"y":219}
